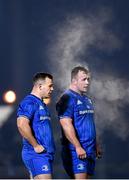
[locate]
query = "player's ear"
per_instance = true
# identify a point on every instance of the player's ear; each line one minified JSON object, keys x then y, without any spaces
{"x":75,"y":81}
{"x":40,"y":86}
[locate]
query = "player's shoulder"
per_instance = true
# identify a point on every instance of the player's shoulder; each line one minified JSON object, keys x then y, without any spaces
{"x":65,"y":96}
{"x":28,"y":101}
{"x":65,"y":99}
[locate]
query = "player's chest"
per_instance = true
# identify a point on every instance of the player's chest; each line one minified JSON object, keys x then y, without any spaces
{"x":42,"y":113}
{"x":83,"y":107}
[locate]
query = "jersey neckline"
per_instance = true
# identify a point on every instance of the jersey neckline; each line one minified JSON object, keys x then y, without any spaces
{"x":74,"y":92}
{"x":36,"y":97}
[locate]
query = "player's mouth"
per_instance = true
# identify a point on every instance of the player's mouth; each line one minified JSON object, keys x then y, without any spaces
{"x":49,"y":93}
{"x":85,"y":88}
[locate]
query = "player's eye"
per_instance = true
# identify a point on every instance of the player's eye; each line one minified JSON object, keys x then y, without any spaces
{"x":50,"y":86}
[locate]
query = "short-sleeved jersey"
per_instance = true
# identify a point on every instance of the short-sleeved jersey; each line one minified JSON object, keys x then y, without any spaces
{"x":80,"y":109}
{"x":36,"y":111}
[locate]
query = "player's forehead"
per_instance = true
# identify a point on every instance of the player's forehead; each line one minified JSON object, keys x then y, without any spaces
{"x":46,"y":81}
{"x":83,"y":74}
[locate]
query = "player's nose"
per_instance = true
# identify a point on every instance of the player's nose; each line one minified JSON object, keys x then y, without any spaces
{"x":52,"y":88}
{"x":87,"y":82}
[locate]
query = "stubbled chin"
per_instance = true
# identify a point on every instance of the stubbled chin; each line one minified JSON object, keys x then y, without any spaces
{"x":49,"y":95}
{"x":85,"y":90}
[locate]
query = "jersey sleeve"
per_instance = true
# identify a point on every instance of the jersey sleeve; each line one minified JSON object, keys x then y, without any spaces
{"x":26,"y":109}
{"x":65,"y":107}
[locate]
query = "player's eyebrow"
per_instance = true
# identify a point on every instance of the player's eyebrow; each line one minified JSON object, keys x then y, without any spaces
{"x":88,"y":78}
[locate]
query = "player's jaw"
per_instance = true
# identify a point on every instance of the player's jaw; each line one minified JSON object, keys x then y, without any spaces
{"x":49,"y":94}
{"x":84,"y":88}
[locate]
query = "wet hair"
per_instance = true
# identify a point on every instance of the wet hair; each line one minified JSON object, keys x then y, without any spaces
{"x":76,"y":69}
{"x":41,"y":76}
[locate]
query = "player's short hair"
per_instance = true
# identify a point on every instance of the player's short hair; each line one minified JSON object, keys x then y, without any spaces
{"x":76,"y":69}
{"x":41,"y":76}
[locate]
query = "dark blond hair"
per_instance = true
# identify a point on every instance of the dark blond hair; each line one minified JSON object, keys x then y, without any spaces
{"x":76,"y":69}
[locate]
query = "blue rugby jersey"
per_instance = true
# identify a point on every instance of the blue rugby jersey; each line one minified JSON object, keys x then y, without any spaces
{"x":80,"y":109}
{"x":36,"y":111}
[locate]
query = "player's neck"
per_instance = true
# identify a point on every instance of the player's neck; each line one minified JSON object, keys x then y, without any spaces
{"x":74,"y":88}
{"x":33,"y":92}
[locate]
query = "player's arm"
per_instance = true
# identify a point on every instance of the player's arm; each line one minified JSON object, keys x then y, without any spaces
{"x":24,"y":128}
{"x":70,"y":134}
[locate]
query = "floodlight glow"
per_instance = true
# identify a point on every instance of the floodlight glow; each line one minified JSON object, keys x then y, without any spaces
{"x":9,"y":97}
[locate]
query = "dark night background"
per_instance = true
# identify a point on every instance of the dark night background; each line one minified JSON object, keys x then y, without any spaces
{"x":53,"y":36}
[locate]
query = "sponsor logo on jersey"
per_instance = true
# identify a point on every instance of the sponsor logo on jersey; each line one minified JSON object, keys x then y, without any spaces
{"x":41,"y":107}
{"x":79,"y":102}
{"x":45,"y":168}
{"x":80,"y":166}
{"x":86,"y":111}
{"x":44,"y":117}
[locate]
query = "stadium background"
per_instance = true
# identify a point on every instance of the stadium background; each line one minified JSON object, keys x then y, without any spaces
{"x":53,"y":36}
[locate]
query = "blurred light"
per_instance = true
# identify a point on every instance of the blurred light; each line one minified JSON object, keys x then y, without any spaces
{"x":5,"y":112}
{"x":9,"y":97}
{"x":47,"y":100}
